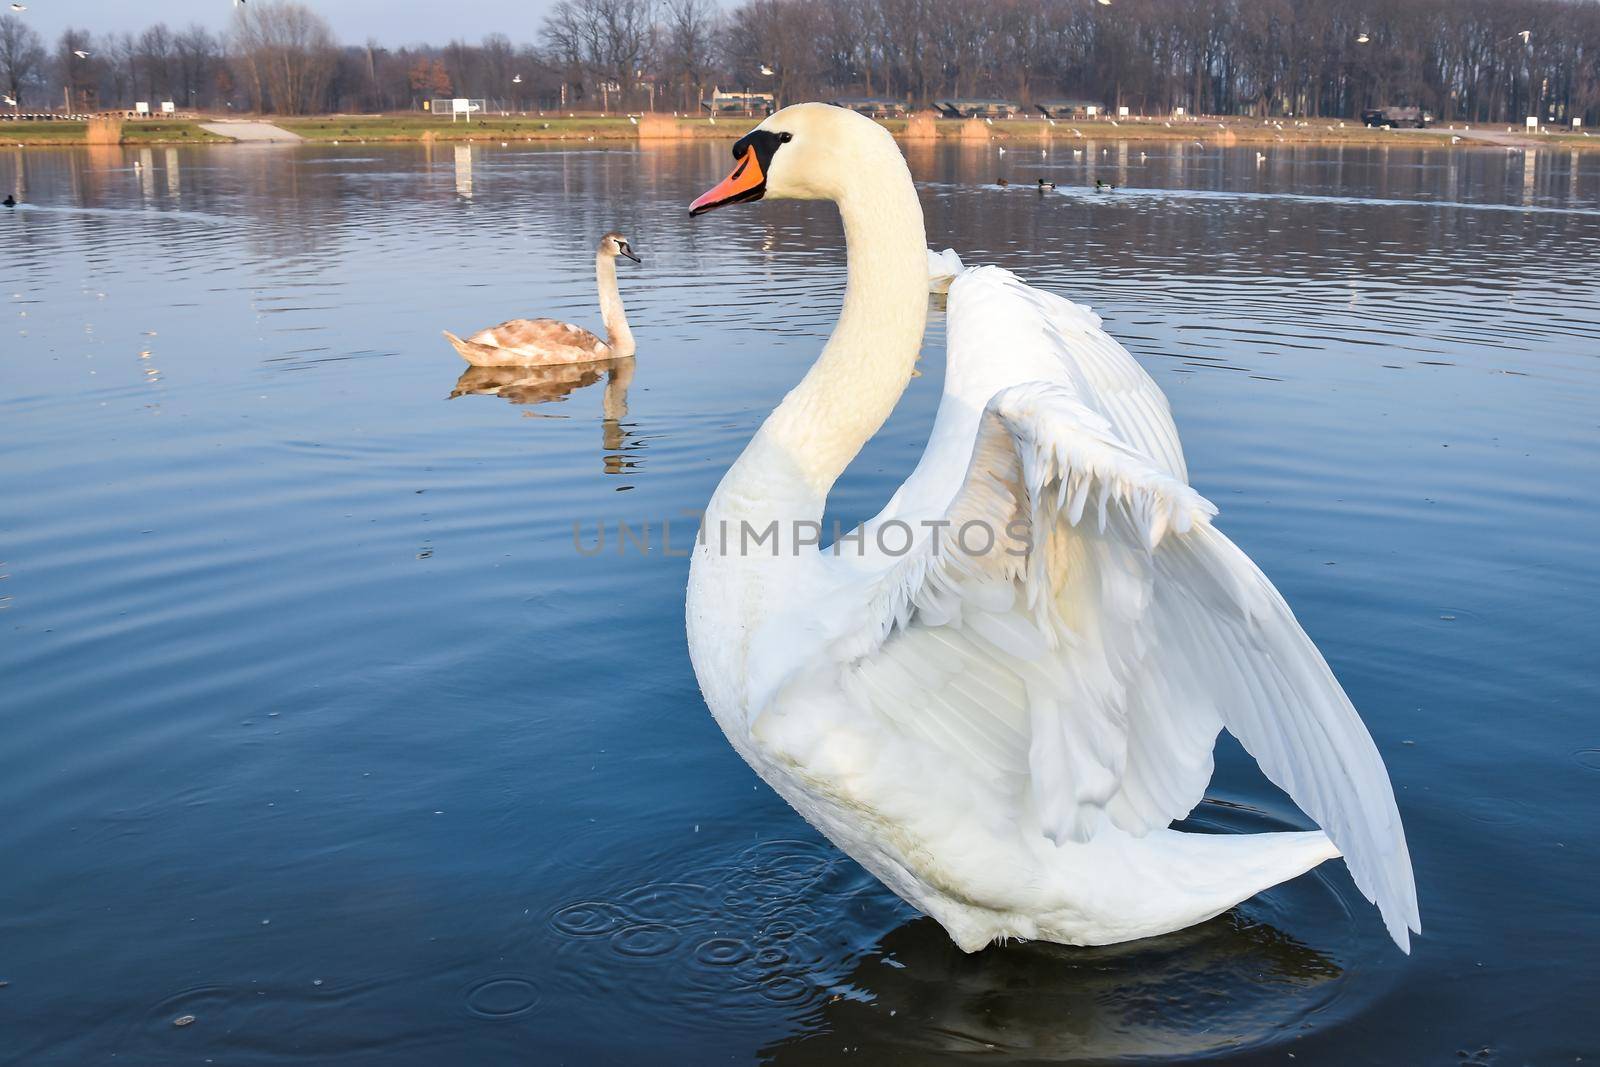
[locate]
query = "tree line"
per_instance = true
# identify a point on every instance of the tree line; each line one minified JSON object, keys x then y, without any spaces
{"x":1473,"y":60}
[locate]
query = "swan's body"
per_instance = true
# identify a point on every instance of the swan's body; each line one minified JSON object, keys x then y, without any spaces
{"x":544,"y":342}
{"x":1002,"y":735}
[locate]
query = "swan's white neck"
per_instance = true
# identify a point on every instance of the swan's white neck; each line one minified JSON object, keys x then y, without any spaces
{"x":618,"y":336}
{"x":787,"y":470}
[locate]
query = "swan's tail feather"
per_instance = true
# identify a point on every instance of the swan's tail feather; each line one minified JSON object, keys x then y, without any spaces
{"x":465,"y":349}
{"x":1210,"y":873}
{"x":942,"y":269}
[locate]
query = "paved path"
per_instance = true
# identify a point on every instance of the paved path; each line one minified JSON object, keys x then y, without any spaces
{"x":250,"y":131}
{"x":1483,"y":135}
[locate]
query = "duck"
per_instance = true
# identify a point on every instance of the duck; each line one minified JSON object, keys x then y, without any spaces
{"x":1045,"y":184}
{"x":542,"y":342}
{"x":1001,"y":182}
{"x":10,"y":201}
{"x":1103,"y":186}
{"x":998,"y":694}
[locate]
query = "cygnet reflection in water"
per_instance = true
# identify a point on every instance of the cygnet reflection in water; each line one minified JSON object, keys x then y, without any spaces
{"x":555,"y":383}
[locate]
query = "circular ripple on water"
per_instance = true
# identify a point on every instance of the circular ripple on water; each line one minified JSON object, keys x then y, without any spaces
{"x":646,"y":940}
{"x":1588,"y":757}
{"x":722,"y":952}
{"x":674,"y":902}
{"x":785,"y":989}
{"x":1497,"y":811}
{"x":502,"y":996}
{"x":787,"y":863}
{"x":213,"y":1005}
{"x":589,"y":918}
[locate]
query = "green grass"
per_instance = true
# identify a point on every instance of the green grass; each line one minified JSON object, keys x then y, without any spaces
{"x":42,"y":132}
{"x":167,"y":133}
{"x":413,"y":127}
{"x":64,"y":133}
{"x":417,"y":126}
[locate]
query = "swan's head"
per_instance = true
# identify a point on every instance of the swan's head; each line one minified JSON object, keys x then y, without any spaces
{"x":614,"y":244}
{"x":804,"y":152}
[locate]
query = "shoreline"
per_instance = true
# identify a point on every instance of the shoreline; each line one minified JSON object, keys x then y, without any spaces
{"x":655,"y":129}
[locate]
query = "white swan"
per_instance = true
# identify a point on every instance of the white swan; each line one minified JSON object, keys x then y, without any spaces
{"x":1003,"y":734}
{"x":547,"y":342}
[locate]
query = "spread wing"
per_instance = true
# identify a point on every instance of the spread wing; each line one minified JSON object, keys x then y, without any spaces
{"x":1076,"y":632}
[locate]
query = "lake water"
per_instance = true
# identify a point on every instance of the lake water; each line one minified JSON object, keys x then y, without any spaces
{"x":316,"y":726}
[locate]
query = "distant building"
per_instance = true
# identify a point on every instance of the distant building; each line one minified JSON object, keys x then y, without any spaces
{"x":978,"y":108}
{"x":740,"y":103}
{"x":875,"y":107}
{"x":1070,"y":109}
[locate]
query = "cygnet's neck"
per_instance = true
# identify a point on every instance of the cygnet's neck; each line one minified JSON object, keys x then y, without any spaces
{"x":618,"y":336}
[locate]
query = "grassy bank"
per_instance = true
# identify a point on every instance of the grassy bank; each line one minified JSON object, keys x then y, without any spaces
{"x":516,"y":127}
{"x":65,"y":133}
{"x":559,"y":128}
{"x":1022,"y":130}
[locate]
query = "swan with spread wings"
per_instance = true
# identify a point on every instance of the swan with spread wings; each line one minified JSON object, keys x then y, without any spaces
{"x":999,"y":693}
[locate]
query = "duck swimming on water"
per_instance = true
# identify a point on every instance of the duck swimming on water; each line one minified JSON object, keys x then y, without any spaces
{"x":1045,"y":183}
{"x":1103,"y":186}
{"x":539,"y":342}
{"x":10,"y":200}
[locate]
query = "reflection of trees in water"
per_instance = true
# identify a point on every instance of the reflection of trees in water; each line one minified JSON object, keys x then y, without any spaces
{"x":1226,"y":984}
{"x":553,"y":384}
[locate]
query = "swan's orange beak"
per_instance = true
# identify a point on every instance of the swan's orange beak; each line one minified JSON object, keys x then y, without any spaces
{"x":747,"y":182}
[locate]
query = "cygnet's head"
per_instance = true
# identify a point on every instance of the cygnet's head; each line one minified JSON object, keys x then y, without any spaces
{"x":615,"y":244}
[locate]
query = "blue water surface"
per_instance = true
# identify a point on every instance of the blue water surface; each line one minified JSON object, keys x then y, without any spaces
{"x":319,"y":725}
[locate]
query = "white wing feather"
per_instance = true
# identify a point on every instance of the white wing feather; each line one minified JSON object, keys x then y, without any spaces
{"x":942,"y":269}
{"x":1081,"y":668}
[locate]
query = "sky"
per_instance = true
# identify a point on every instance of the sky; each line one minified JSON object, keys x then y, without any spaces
{"x":395,"y":22}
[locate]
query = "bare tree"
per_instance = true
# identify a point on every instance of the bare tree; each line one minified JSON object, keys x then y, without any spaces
{"x":153,"y":60}
{"x":287,"y":55}
{"x":193,"y":71}
{"x":78,"y":69}
{"x":21,"y":56}
{"x":687,"y":45}
{"x":1461,"y":59}
{"x":602,"y":43}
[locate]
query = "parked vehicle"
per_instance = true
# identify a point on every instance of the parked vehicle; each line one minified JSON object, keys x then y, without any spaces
{"x":1398,"y":117}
